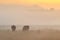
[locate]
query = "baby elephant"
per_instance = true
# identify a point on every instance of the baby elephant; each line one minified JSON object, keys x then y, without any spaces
{"x":26,"y":28}
{"x":13,"y":27}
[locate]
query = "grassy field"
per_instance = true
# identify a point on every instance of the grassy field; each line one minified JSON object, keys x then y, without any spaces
{"x":30,"y":35}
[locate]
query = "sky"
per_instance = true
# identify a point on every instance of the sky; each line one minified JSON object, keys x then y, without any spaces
{"x":29,"y":15}
{"x":43,"y":3}
{"x":20,"y":15}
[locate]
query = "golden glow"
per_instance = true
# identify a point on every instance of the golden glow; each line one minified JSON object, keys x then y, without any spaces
{"x":30,"y":1}
{"x":44,"y":3}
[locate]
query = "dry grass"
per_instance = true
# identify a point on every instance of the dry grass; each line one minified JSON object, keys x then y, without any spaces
{"x":31,"y":35}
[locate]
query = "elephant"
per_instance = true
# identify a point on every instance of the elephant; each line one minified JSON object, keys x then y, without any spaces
{"x":26,"y":28}
{"x":13,"y":27}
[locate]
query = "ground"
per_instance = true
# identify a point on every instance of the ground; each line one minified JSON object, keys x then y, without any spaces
{"x":31,"y":35}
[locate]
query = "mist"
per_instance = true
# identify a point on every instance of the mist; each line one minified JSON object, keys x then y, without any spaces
{"x":21,"y":15}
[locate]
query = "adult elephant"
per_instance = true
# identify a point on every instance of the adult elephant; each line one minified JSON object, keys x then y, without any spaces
{"x":13,"y":27}
{"x":26,"y":28}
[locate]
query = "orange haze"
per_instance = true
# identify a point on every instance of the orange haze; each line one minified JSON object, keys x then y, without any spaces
{"x":43,"y":3}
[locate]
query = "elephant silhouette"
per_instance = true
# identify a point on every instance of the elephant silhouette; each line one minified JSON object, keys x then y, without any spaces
{"x":26,"y":28}
{"x":13,"y":27}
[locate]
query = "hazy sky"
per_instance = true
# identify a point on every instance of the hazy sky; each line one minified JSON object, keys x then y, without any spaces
{"x":10,"y":13}
{"x":28,"y":15}
{"x":43,"y":3}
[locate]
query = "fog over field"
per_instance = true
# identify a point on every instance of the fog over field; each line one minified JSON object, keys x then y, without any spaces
{"x":44,"y":23}
{"x":21,"y":15}
{"x":34,"y":16}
